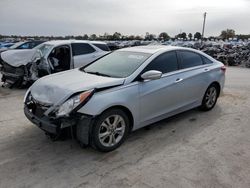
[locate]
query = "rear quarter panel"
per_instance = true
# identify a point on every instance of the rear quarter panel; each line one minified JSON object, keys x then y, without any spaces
{"x":215,"y":74}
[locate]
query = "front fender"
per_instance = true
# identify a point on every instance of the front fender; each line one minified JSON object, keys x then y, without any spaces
{"x":126,"y":96}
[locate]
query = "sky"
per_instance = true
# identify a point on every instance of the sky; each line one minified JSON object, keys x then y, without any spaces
{"x":78,"y":17}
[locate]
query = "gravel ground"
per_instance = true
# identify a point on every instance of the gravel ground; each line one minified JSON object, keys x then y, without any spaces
{"x":193,"y":149}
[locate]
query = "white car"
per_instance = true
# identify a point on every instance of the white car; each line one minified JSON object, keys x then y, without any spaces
{"x":20,"y":67}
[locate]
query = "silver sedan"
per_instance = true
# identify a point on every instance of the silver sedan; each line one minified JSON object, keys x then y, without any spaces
{"x":124,"y":91}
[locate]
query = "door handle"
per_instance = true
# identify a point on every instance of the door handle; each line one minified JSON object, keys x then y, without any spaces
{"x":206,"y":70}
{"x":178,"y":80}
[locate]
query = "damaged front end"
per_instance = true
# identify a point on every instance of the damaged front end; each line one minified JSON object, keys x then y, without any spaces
{"x":35,"y":112}
{"x":12,"y":75}
{"x":22,"y":68}
{"x":54,"y":123}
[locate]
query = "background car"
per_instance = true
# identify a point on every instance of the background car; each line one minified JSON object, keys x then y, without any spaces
{"x":5,"y":46}
{"x":124,"y":91}
{"x":20,"y":67}
{"x":22,"y":45}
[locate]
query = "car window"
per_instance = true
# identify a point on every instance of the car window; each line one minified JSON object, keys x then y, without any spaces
{"x":103,"y":47}
{"x":189,"y":59}
{"x":206,"y":60}
{"x":32,"y":45}
{"x":82,"y":48}
{"x":166,"y":62}
{"x":7,"y":45}
{"x":16,"y":45}
{"x":24,"y":46}
{"x":44,"y":48}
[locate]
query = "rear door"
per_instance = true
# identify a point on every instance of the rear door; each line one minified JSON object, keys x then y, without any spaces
{"x":83,"y":54}
{"x":193,"y":78}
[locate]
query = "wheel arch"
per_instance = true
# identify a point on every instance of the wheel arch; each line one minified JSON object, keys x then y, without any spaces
{"x":126,"y":110}
{"x":218,"y":86}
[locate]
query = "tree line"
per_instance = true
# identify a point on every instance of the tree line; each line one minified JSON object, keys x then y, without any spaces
{"x":225,"y":34}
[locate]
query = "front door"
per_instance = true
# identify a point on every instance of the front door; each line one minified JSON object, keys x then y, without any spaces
{"x":159,"y":97}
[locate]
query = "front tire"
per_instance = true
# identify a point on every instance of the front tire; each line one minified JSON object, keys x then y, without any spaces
{"x":210,"y":98}
{"x":110,"y":130}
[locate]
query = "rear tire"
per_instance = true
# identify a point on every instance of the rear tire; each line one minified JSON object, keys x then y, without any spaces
{"x":210,"y":98}
{"x":110,"y":130}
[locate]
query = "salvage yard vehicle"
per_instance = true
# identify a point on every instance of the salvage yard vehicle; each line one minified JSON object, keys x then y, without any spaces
{"x":22,"y":67}
{"x":124,"y":91}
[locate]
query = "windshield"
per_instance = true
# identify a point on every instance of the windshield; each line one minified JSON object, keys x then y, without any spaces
{"x":118,"y":64}
{"x":44,"y":48}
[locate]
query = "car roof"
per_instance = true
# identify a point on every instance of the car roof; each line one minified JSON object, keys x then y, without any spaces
{"x":152,"y":49}
{"x":62,"y":42}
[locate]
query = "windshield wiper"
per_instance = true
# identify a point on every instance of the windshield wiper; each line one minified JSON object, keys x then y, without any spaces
{"x":97,"y":73}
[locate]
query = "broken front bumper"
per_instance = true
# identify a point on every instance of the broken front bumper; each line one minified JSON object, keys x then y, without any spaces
{"x":11,"y":78}
{"x":82,"y":122}
{"x":12,"y":75}
{"x":44,"y":123}
{"x":50,"y":125}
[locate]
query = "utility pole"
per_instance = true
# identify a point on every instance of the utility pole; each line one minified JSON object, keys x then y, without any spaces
{"x":203,"y":27}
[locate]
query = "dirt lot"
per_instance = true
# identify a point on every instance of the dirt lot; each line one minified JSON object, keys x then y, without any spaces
{"x":194,"y":149}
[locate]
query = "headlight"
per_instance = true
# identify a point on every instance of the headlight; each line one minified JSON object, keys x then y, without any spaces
{"x":73,"y":102}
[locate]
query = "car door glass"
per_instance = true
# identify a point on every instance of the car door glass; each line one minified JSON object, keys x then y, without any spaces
{"x":82,"y":49}
{"x":165,"y":63}
{"x":103,"y":47}
{"x":24,"y":46}
{"x":32,"y":45}
{"x":189,"y":59}
{"x":206,"y":60}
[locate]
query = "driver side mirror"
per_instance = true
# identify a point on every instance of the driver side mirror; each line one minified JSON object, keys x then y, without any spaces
{"x":151,"y":75}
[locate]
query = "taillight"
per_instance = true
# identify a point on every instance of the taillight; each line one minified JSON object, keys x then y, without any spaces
{"x":223,"y":68}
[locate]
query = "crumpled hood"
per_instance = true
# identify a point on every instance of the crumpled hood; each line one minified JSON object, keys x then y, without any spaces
{"x":17,"y":58}
{"x":60,"y":86}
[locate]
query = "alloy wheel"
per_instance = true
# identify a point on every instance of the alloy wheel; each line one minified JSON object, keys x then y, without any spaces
{"x":210,"y":97}
{"x":111,"y":130}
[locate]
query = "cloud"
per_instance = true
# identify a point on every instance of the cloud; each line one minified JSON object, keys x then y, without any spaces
{"x":76,"y":17}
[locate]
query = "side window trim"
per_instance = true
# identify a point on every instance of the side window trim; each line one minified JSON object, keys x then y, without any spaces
{"x":184,"y":70}
{"x":202,"y":58}
{"x":178,"y":59}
